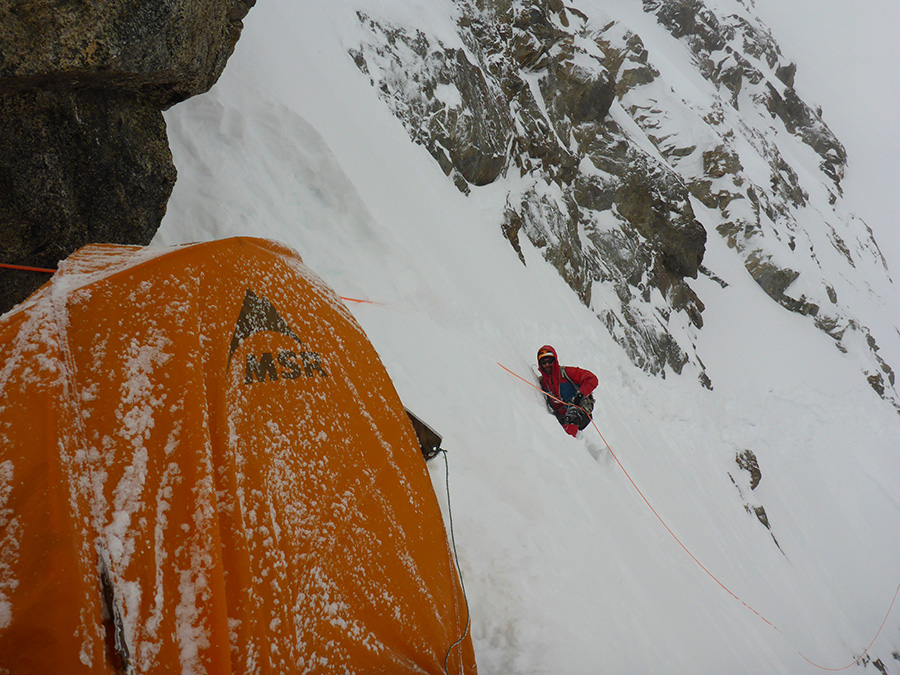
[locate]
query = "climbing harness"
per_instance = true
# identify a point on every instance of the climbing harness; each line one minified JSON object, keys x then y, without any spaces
{"x":701,"y":565}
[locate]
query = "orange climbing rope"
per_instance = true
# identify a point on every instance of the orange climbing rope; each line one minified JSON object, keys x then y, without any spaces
{"x":362,"y":302}
{"x":26,"y":268}
{"x":47,"y":270}
{"x":696,"y":560}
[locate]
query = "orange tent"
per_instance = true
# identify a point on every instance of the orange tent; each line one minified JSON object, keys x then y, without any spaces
{"x":205,"y":468}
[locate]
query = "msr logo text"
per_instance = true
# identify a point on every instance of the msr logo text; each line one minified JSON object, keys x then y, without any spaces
{"x":292,"y":366}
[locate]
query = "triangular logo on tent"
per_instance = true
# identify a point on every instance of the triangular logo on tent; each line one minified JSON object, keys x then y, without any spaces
{"x":258,"y":315}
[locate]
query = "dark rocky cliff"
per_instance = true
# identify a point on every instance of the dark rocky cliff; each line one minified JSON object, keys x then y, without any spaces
{"x":85,"y":157}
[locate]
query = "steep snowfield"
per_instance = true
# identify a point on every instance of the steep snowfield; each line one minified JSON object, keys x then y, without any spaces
{"x":567,"y":569}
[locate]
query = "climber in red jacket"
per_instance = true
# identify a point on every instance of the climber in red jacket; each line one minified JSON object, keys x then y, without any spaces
{"x":568,"y":391}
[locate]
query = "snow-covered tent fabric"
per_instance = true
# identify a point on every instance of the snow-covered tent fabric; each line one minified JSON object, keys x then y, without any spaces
{"x":205,"y":468}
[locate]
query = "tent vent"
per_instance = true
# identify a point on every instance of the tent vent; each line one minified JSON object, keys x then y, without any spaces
{"x":429,"y":439}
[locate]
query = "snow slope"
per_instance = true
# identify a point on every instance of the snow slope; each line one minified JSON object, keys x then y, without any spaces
{"x":567,"y":569}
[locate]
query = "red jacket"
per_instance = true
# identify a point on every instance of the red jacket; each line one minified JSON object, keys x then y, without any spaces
{"x":584,"y":380}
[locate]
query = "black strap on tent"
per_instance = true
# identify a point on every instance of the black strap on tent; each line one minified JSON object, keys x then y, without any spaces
{"x":430,"y":444}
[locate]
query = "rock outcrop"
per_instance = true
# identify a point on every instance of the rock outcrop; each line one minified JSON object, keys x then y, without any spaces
{"x":746,"y":482}
{"x":758,"y":213}
{"x":82,"y":89}
{"x":529,"y":91}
